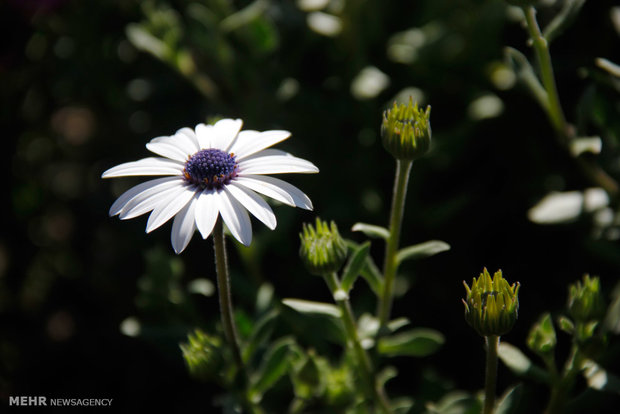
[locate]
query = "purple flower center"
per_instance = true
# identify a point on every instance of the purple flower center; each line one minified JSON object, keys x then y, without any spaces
{"x":210,"y":168}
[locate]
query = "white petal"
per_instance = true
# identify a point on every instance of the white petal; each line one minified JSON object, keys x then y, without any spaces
{"x":187,"y":137}
{"x":145,"y":166}
{"x":120,"y":202}
{"x":277,"y":189}
{"x":253,"y":203}
{"x":204,"y":133}
{"x":273,"y":161}
{"x":169,"y":206}
{"x":206,"y":212}
{"x":183,"y":227}
{"x":148,"y":199}
{"x":165,"y":147}
{"x":235,"y":217}
{"x":250,"y":142}
{"x":224,"y":133}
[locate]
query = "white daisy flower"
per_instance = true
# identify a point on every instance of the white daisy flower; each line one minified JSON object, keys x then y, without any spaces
{"x":210,"y":171}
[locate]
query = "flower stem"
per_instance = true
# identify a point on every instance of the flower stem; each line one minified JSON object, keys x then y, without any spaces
{"x":363,"y":360}
{"x":490,"y":381}
{"x":403,"y":168}
{"x":223,"y":288}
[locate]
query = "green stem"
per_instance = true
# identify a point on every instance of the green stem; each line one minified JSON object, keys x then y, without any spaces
{"x":554,"y":108}
{"x":490,"y":381}
{"x":561,"y":388}
{"x":363,"y":360}
{"x":403,"y":168}
{"x":554,"y":111}
{"x":223,"y":288}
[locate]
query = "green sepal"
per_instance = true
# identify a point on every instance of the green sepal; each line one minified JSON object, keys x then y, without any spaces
{"x":419,"y":342}
{"x":421,"y":250}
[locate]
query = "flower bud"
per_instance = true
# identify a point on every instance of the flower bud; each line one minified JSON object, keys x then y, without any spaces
{"x":203,"y":355}
{"x":322,"y":249}
{"x":585,"y":302}
{"x":406,"y":131}
{"x":542,"y":338}
{"x":492,"y":305}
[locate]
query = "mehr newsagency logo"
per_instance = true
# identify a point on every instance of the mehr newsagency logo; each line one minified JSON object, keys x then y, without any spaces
{"x":42,"y":401}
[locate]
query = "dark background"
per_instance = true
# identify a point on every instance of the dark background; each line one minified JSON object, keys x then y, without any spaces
{"x":78,"y":97}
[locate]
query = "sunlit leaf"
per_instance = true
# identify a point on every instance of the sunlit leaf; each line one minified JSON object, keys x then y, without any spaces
{"x":372,"y":231}
{"x":519,"y":363}
{"x":419,"y":251}
{"x":418,"y":342}
{"x":509,"y":403}
{"x":310,"y":307}
{"x":599,"y":379}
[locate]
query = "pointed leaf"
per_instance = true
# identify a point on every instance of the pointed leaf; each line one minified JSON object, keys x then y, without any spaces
{"x":310,"y":307}
{"x":419,"y":251}
{"x":418,"y":342}
{"x":520,"y":364}
{"x":260,"y":334}
{"x":510,"y":401}
{"x":372,"y":231}
{"x":275,"y":364}
{"x":354,"y":267}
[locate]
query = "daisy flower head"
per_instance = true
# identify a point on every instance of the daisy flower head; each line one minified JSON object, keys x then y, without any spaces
{"x":211,"y":171}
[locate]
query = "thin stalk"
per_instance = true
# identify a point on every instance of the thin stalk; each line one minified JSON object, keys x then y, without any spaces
{"x":554,"y":109}
{"x":403,"y":168}
{"x":561,"y":388}
{"x":223,"y":288}
{"x":363,"y":360}
{"x":490,"y":381}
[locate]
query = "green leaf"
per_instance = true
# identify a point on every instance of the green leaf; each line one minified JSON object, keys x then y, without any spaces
{"x":419,"y":251}
{"x":418,"y":342}
{"x":143,"y":40}
{"x":372,"y":231}
{"x":310,"y":307}
{"x":275,"y":364}
{"x":354,"y":267}
{"x":260,"y":334}
{"x":520,"y":364}
{"x":510,"y":401}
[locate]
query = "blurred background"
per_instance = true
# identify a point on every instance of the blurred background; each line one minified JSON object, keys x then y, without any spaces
{"x":92,"y":307}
